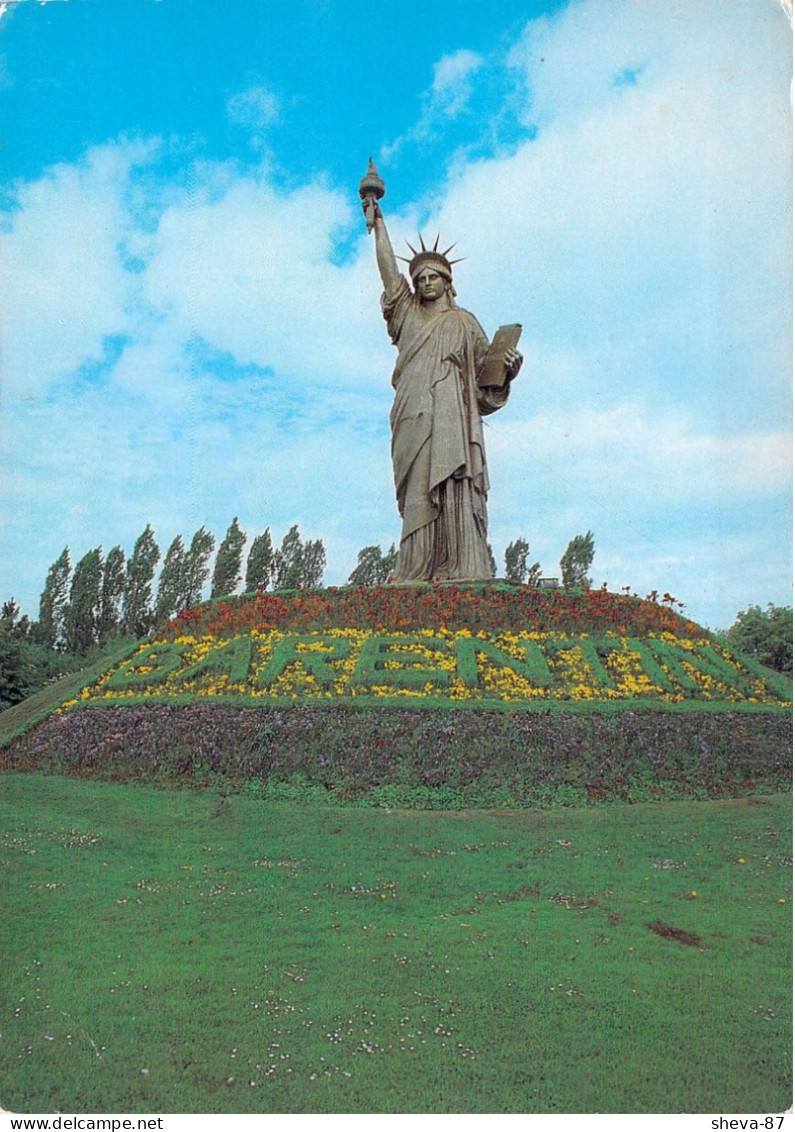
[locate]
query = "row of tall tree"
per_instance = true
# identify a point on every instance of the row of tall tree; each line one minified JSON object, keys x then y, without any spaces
{"x":107,"y":596}
{"x":111,"y":595}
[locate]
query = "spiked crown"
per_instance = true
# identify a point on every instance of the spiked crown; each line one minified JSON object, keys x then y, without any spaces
{"x":430,"y":257}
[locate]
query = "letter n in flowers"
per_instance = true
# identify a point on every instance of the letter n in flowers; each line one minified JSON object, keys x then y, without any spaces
{"x":533,"y":668}
{"x":705,"y":661}
{"x":400,"y":663}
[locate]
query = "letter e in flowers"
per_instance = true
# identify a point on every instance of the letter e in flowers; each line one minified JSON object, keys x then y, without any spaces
{"x":402,"y":663}
{"x":317,"y":663}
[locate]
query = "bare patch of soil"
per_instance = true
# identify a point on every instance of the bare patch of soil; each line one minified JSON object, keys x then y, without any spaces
{"x":668,"y":931}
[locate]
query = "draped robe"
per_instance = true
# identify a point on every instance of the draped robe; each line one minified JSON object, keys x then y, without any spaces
{"x":438,"y":455}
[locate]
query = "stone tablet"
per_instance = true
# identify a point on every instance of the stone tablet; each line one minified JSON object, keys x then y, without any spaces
{"x":493,"y":372}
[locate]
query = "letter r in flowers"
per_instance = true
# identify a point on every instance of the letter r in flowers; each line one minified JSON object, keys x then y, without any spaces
{"x":295,"y":648}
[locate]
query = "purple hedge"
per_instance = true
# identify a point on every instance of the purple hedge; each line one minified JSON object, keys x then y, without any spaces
{"x":474,"y":757}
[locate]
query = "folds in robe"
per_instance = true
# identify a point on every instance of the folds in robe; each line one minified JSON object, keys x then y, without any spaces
{"x":438,"y":456}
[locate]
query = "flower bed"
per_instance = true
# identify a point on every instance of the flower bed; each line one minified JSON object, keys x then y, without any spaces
{"x":446,"y":695}
{"x":524,"y":669}
{"x":474,"y":644}
{"x":487,"y":607}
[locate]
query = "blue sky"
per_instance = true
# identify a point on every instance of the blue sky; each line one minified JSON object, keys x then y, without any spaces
{"x":191,"y":327}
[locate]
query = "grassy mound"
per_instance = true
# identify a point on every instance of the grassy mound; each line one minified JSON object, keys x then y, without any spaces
{"x":17,"y":719}
{"x":427,"y":696}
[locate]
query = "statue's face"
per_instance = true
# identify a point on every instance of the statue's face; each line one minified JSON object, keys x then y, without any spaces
{"x":430,"y":285}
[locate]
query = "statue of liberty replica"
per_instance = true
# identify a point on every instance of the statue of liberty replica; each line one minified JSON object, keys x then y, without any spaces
{"x":447,"y":377}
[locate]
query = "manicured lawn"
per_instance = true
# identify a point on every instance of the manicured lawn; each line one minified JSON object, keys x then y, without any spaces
{"x":181,"y":951}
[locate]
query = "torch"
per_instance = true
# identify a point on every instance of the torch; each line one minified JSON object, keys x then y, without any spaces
{"x":371,"y":189}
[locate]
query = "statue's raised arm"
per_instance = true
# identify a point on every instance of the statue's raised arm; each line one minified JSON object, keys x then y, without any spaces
{"x":384,"y":255}
{"x":371,"y":189}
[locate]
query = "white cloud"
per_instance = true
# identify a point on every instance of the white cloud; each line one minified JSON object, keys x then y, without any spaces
{"x":631,"y":452}
{"x":255,"y":108}
{"x":649,"y":485}
{"x":62,"y":284}
{"x":452,"y":83}
{"x":646,"y":229}
{"x":447,"y":97}
{"x":596,"y":53}
{"x":250,"y":272}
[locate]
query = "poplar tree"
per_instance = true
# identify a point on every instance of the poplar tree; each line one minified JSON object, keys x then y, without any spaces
{"x":52,"y":604}
{"x":81,"y":616}
{"x":112,"y":592}
{"x":288,"y":561}
{"x":373,"y":568}
{"x":137,"y":616}
{"x":534,"y":574}
{"x":576,"y":561}
{"x":312,"y":564}
{"x":492,"y":561}
{"x":226,"y":574}
{"x":171,"y":582}
{"x":516,"y":561}
{"x":516,"y":568}
{"x":260,"y":564}
{"x":196,"y":569}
